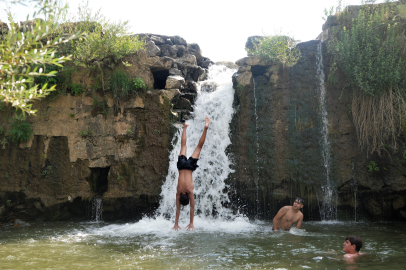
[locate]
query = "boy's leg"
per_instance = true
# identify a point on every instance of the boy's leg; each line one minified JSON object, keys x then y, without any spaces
{"x":199,"y":147}
{"x":183,"y":141}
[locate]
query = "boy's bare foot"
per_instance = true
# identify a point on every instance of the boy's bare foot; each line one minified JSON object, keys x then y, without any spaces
{"x":186,"y":125}
{"x":206,"y":122}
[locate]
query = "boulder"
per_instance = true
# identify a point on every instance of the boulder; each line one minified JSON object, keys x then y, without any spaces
{"x":178,"y":40}
{"x":242,"y":78}
{"x":254,"y":61}
{"x":21,"y":223}
{"x":152,"y":49}
{"x":249,"y":45}
{"x":174,"y":82}
{"x":188,"y":59}
{"x":157,"y":40}
{"x":181,"y":50}
{"x":169,"y":41}
{"x":194,"y":49}
{"x":243,"y":69}
{"x":175,"y":71}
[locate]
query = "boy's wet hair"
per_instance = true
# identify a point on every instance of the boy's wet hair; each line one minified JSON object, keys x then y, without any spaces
{"x":184,"y":199}
{"x":355,"y":240}
{"x":300,"y":200}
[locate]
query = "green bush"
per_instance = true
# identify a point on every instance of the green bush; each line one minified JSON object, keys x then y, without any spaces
{"x":104,"y":39}
{"x":20,"y":132}
{"x":277,"y":48}
{"x":370,"y":51}
{"x":76,"y":89}
{"x":121,"y":85}
{"x":139,"y":84}
{"x":100,"y":105}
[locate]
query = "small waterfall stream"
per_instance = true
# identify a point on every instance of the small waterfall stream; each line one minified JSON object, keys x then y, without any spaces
{"x":214,"y":164}
{"x":257,"y":150}
{"x":328,"y":209}
{"x":97,"y":209}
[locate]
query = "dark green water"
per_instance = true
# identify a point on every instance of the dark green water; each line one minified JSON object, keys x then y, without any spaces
{"x":150,"y":244}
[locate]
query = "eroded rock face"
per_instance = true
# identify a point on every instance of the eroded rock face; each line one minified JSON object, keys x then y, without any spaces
{"x":78,"y":151}
{"x":277,"y":149}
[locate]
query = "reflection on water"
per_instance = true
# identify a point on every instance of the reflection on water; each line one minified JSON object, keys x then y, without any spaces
{"x":150,"y":244}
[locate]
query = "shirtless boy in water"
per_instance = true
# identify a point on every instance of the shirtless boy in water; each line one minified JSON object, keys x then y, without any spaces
{"x":352,"y":246}
{"x":288,"y":215}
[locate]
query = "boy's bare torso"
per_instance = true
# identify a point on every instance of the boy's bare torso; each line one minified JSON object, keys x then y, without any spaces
{"x":289,"y":218}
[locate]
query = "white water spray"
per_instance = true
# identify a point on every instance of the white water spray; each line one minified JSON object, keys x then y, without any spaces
{"x":328,"y":209}
{"x":214,"y":164}
{"x":97,"y":209}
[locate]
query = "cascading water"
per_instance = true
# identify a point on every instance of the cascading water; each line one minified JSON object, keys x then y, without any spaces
{"x":97,"y":209}
{"x":328,"y":209}
{"x":257,"y":149}
{"x":214,"y":165}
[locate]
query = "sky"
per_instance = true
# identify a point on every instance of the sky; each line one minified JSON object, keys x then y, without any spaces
{"x":220,"y":27}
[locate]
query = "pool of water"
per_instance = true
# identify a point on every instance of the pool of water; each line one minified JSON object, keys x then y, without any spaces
{"x":151,"y":244}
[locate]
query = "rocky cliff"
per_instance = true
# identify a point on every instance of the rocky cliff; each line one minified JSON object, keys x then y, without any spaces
{"x":278,"y":149}
{"x":117,"y":151}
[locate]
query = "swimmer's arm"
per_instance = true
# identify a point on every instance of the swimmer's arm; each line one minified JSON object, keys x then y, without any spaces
{"x":299,"y":223}
{"x":176,"y":227}
{"x":278,"y":216}
{"x":192,"y":211}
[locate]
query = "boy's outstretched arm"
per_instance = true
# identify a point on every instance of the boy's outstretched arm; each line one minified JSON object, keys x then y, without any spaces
{"x":176,"y":227}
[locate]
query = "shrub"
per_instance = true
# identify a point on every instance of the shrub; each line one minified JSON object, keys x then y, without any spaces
{"x":277,"y":48}
{"x":20,"y":131}
{"x":139,"y":84}
{"x":121,"y":86}
{"x":370,"y":52}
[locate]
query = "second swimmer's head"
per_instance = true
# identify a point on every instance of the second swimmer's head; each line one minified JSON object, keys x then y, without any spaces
{"x":184,"y":199}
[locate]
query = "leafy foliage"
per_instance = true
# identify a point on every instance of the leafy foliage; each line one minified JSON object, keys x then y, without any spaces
{"x":23,"y":49}
{"x":20,"y":131}
{"x":370,"y":51}
{"x":139,"y":84}
{"x":121,"y":85}
{"x":104,"y":39}
{"x":278,"y":49}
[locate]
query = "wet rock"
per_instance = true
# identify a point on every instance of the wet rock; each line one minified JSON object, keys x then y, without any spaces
{"x":398,"y":203}
{"x":242,"y":78}
{"x":174,"y":82}
{"x":21,"y":223}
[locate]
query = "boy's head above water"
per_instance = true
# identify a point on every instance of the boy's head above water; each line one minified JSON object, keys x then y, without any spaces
{"x":298,"y":203}
{"x":352,"y":244}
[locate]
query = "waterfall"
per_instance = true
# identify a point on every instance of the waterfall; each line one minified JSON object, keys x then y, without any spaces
{"x":97,"y":209}
{"x":256,"y":181}
{"x":328,"y":209}
{"x":355,"y":189}
{"x":214,"y":164}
